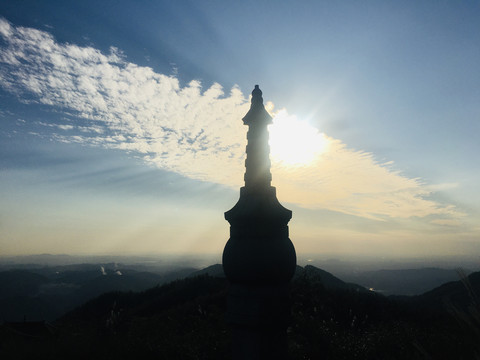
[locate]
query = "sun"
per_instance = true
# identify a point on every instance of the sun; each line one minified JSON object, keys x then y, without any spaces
{"x":294,"y":142}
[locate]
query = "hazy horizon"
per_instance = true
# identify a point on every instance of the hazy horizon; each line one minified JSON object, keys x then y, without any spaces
{"x":201,"y":260}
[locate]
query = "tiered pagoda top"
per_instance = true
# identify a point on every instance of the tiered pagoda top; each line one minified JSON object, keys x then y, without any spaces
{"x":257,"y":174}
{"x":258,"y":198}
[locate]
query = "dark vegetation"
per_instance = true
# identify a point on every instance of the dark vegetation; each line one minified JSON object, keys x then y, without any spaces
{"x":331,"y":319}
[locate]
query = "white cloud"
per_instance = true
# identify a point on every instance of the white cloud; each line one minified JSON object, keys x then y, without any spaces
{"x":65,"y":127}
{"x":59,"y":126}
{"x":197,"y":133}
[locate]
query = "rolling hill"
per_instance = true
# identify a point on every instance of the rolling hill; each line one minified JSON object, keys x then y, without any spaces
{"x":331,"y":319}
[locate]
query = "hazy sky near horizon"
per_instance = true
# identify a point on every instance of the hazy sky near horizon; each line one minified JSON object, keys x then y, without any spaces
{"x":121,"y":131}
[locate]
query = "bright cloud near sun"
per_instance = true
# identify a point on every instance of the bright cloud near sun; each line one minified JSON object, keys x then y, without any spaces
{"x":294,"y":142}
{"x":198,"y":133}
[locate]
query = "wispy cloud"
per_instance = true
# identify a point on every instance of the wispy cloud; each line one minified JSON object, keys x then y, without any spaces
{"x":179,"y":129}
{"x":195,"y":132}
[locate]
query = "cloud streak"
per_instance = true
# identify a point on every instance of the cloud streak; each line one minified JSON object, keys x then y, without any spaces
{"x":194,"y":132}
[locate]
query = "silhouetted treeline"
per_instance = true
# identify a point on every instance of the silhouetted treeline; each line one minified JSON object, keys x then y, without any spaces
{"x":330,"y":320}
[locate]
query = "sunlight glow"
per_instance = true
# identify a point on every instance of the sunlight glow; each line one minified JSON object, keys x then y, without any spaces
{"x":294,"y":142}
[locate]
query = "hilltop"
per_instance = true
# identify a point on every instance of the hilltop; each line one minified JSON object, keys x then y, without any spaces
{"x":331,"y":319}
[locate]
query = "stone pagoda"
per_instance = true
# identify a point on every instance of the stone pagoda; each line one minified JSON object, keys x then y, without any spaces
{"x":259,"y":259}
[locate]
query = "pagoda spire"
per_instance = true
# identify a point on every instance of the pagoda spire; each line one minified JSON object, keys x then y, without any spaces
{"x":257,"y":163}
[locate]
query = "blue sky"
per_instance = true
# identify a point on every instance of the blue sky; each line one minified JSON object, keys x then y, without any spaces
{"x":121,"y":132}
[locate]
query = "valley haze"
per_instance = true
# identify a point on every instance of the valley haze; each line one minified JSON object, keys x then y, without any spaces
{"x":389,"y":276}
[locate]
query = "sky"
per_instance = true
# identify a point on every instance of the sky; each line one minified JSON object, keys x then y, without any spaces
{"x":121,"y":131}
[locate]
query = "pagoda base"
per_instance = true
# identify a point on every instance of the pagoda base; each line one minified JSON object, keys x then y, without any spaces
{"x":259,"y":317}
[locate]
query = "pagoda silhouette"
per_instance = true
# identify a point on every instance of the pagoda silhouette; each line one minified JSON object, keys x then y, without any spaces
{"x":259,"y":259}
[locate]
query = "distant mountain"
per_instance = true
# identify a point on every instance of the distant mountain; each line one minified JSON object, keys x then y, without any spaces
{"x":327,"y":280}
{"x":212,"y":270}
{"x":39,"y":259}
{"x":461,"y":295}
{"x":20,"y":283}
{"x":48,"y":292}
{"x":310,"y":272}
{"x":404,"y":282}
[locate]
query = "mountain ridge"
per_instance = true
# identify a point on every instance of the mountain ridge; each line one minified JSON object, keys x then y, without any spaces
{"x":184,"y":319}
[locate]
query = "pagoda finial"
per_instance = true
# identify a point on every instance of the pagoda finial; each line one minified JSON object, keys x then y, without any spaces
{"x":257,"y":95}
{"x":257,"y":111}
